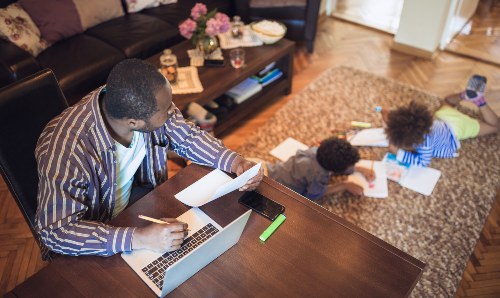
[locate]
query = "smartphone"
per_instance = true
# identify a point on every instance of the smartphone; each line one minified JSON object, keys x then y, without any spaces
{"x":214,"y":62}
{"x":262,"y":205}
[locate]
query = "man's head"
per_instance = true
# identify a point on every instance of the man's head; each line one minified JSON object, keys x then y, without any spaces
{"x":407,"y":126}
{"x":337,"y":155}
{"x":136,"y":90}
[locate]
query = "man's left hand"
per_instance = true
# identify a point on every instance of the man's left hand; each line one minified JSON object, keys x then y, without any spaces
{"x":239,"y":166}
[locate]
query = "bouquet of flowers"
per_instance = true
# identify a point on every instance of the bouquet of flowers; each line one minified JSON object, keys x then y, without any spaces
{"x":202,"y":24}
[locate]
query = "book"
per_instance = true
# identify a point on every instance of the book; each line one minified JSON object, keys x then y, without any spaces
{"x":376,"y":188}
{"x":374,"y":137}
{"x":272,"y":78}
{"x":244,"y":90}
{"x":287,"y":149}
{"x":420,"y":179}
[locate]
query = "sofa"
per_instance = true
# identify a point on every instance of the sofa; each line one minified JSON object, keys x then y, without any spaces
{"x":82,"y":62}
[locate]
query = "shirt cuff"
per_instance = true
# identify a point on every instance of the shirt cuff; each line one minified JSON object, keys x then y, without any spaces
{"x":400,"y":155}
{"x":120,"y":239}
{"x":226,"y":160}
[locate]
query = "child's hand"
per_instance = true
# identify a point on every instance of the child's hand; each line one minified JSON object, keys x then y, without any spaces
{"x":368,"y":173}
{"x":353,"y":188}
{"x":385,"y":113}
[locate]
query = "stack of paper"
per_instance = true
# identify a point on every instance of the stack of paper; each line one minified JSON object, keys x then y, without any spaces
{"x":287,"y":149}
{"x":244,"y":90}
{"x":370,"y":137}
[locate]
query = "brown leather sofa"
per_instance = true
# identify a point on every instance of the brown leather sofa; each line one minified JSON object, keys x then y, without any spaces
{"x":83,"y":62}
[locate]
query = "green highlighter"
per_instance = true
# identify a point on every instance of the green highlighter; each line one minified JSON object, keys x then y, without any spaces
{"x":273,"y":227}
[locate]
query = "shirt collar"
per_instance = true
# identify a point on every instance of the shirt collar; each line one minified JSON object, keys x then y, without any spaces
{"x":103,"y":136}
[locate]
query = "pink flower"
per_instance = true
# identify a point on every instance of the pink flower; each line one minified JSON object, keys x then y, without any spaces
{"x":224,"y":22}
{"x":198,"y":10}
{"x":213,"y":27}
{"x":187,"y":28}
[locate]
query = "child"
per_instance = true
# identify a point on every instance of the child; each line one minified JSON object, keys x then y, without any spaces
{"x":416,"y":137}
{"x":308,"y":172}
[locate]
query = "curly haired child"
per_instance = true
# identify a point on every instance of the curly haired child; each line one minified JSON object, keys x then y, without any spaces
{"x":416,"y":136}
{"x":308,"y":172}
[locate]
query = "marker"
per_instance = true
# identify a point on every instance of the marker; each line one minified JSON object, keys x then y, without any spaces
{"x":273,"y":227}
{"x":361,"y":124}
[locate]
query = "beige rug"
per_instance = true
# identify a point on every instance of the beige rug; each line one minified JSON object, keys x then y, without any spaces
{"x":440,"y":230}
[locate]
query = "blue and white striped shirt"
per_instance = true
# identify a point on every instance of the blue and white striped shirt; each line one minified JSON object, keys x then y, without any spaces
{"x":76,"y":159}
{"x":441,"y":142}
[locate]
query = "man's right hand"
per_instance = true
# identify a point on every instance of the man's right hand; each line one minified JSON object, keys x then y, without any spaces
{"x":160,"y":237}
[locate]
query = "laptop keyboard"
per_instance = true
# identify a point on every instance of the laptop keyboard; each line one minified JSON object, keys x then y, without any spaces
{"x":156,"y":269}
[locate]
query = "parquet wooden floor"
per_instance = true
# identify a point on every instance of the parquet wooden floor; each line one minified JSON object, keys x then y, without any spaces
{"x":338,"y":43}
{"x":480,"y":38}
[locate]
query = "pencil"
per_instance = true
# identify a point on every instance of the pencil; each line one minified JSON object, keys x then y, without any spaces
{"x":155,"y":220}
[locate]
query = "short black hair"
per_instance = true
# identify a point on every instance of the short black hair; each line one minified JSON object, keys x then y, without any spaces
{"x":336,"y":155}
{"x":131,"y":88}
{"x":407,"y":126}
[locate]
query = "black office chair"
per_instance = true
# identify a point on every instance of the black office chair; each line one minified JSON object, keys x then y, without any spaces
{"x":299,"y":16}
{"x":26,"y":106}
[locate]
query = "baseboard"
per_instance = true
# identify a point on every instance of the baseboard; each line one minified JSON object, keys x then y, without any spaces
{"x":413,"y":51}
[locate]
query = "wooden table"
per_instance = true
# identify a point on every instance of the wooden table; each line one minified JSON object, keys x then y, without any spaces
{"x":313,"y":254}
{"x":218,"y":80}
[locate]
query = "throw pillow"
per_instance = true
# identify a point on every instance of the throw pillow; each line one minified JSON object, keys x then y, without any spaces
{"x":56,"y":19}
{"x":138,"y":5}
{"x":94,"y":12}
{"x":17,"y":27}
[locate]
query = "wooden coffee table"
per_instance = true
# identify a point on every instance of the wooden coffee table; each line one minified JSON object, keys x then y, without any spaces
{"x":217,"y":80}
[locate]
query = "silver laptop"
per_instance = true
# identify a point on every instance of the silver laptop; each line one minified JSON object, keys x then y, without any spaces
{"x":205,"y":242}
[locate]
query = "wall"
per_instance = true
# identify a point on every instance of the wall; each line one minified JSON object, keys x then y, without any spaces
{"x":460,"y":13}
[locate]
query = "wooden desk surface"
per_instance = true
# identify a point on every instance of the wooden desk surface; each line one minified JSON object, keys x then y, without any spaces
{"x":314,"y":253}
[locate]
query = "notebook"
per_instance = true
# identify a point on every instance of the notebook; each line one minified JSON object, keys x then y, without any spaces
{"x":206,"y":241}
{"x":419,"y":179}
{"x":370,"y":137}
{"x":376,"y":188}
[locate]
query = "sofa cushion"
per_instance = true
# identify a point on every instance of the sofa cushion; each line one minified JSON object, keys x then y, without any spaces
{"x":137,"y":35}
{"x":17,"y":27}
{"x":176,"y":13}
{"x":85,"y":59}
{"x":138,"y":5}
{"x":56,"y":19}
{"x":94,"y":12}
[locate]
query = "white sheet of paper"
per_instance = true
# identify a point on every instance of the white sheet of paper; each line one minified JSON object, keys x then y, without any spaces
{"x":376,"y":188}
{"x":420,"y":179}
{"x":214,"y":185}
{"x":287,"y":149}
{"x":374,"y":137}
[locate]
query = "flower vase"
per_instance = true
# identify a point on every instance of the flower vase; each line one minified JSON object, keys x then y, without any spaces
{"x":207,"y":45}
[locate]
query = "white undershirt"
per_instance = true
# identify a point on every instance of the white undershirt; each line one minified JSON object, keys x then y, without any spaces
{"x":128,"y":161}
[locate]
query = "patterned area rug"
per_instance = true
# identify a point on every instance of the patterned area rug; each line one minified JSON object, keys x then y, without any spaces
{"x":440,"y":230}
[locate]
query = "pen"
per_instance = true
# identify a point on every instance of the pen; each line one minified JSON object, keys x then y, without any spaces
{"x":155,"y":220}
{"x":273,"y":227}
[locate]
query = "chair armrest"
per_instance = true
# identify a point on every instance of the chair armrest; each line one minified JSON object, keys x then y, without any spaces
{"x":15,"y":63}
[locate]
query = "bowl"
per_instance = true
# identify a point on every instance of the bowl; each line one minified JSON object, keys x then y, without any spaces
{"x":269,"y":31}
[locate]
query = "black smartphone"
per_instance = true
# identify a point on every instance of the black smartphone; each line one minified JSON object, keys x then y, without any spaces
{"x":214,"y":62}
{"x":262,"y":205}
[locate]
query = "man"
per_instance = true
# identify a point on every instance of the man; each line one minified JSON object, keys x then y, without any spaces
{"x":90,"y":157}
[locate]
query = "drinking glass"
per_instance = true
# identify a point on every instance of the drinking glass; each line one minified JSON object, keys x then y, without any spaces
{"x":237,"y":58}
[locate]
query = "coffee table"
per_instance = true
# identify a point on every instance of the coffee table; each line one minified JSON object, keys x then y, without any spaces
{"x":217,"y":80}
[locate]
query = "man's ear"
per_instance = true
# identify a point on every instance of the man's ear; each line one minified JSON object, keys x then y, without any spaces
{"x":135,"y":124}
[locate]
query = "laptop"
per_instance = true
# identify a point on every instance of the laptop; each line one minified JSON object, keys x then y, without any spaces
{"x":205,"y":241}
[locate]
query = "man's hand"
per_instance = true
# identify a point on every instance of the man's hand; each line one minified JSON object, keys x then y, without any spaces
{"x":160,"y":237}
{"x":240,"y":165}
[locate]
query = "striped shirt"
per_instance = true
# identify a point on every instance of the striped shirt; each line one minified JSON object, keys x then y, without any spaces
{"x":441,"y":142}
{"x":76,"y":159}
